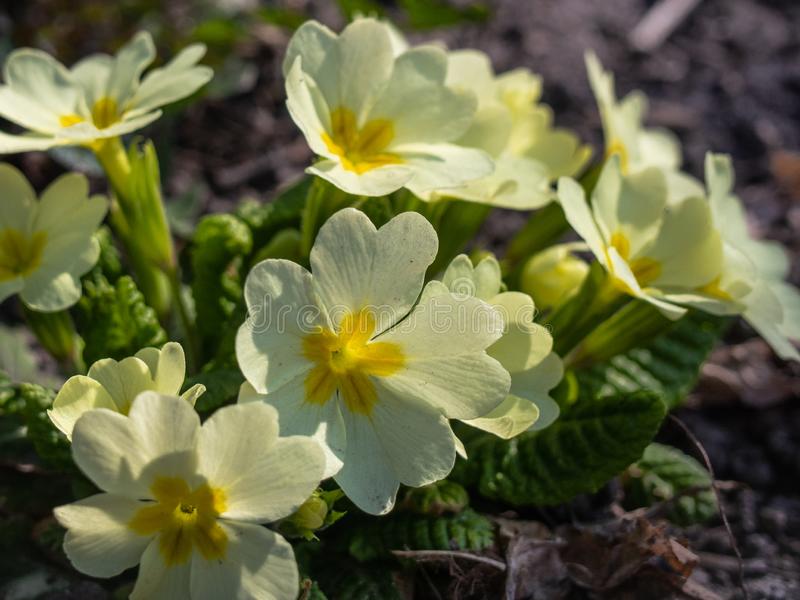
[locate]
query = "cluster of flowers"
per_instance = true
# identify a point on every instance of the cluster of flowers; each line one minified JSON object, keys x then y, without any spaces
{"x":354,"y":369}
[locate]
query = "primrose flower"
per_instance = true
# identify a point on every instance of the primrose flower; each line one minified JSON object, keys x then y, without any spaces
{"x":752,"y":282}
{"x":114,"y":385}
{"x":638,"y":147}
{"x":553,"y":275}
{"x":378,"y":121}
{"x":524,"y":350}
{"x":101,"y":97}
{"x":517,"y":131}
{"x":46,"y":244}
{"x":352,"y":356}
{"x":184,"y":502}
{"x":647,"y":244}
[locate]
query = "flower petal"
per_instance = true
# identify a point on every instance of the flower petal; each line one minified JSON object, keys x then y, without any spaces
{"x":511,"y":417}
{"x":258,"y":563}
{"x":45,"y":84}
{"x":157,"y":581}
{"x":19,"y":199}
{"x":123,"y":380}
{"x":265,"y":478}
{"x":98,"y":541}
{"x":579,"y":215}
{"x":356,"y":266}
{"x":482,"y":281}
{"x":524,"y":343}
{"x":367,"y":477}
{"x":416,"y":438}
{"x":380,"y":181}
{"x":440,"y":166}
{"x":77,"y":396}
{"x":321,"y":422}
{"x":129,"y":64}
{"x":11,"y":144}
{"x":179,"y":78}
{"x":282,"y":310}
{"x":421,"y":108}
{"x":113,"y":450}
{"x":171,"y":369}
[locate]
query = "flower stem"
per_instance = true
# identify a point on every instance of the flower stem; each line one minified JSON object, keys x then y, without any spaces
{"x":56,"y":333}
{"x":137,"y":216}
{"x":189,"y":329}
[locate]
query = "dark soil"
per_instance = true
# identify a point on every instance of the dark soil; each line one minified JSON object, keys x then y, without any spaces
{"x":727,"y":79}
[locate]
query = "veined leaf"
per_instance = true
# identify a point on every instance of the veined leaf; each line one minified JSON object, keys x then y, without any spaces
{"x":374,"y":538}
{"x":668,"y":365}
{"x":591,"y":442}
{"x":663,"y":472}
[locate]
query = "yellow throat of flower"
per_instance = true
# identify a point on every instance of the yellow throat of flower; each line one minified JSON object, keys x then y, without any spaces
{"x":20,"y":254}
{"x":104,"y":114}
{"x":360,"y":149}
{"x":646,"y":270}
{"x":615,"y":146}
{"x":183,"y":519}
{"x":345,"y":360}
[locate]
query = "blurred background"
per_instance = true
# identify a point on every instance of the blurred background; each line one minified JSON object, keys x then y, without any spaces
{"x":724,"y":75}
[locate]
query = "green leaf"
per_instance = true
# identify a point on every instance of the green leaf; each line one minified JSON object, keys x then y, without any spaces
{"x":222,"y":387}
{"x":219,"y":249}
{"x":355,"y":582}
{"x":437,"y":498}
{"x":427,"y":14}
{"x":373,"y":538}
{"x":365,"y":8}
{"x":591,"y":442}
{"x":51,"y":445}
{"x":285,"y":211}
{"x":114,"y":320}
{"x":664,"y":471}
{"x":668,"y":365}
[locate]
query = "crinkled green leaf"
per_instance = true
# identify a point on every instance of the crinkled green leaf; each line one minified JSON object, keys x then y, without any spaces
{"x":51,"y":445}
{"x":663,"y":472}
{"x":668,"y":365}
{"x":437,"y":498}
{"x":219,"y":249}
{"x":114,"y":320}
{"x":372,"y":538}
{"x":591,"y":442}
{"x":266,"y":218}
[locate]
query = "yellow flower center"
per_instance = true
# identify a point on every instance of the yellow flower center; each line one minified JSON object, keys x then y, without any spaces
{"x":646,"y":270}
{"x":104,"y":114}
{"x":346,"y":360}
{"x":20,"y":254}
{"x":360,"y":149}
{"x":183,"y":519}
{"x":615,"y":146}
{"x":714,"y":289}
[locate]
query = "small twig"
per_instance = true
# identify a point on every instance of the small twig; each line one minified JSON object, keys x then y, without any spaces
{"x":718,"y":496}
{"x":448,"y":555}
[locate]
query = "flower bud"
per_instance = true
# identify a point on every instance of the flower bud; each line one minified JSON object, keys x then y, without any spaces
{"x":553,"y":275}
